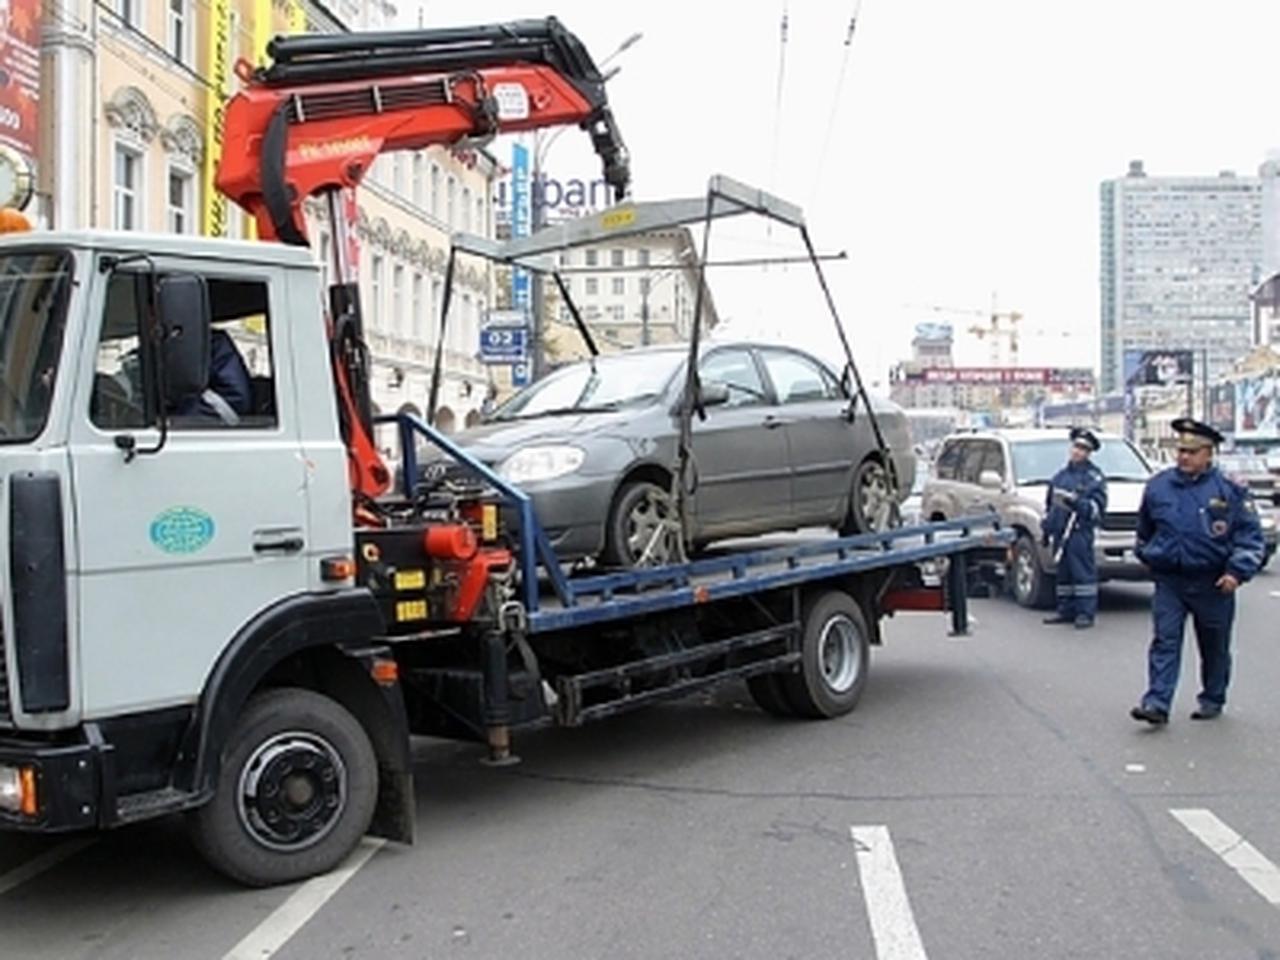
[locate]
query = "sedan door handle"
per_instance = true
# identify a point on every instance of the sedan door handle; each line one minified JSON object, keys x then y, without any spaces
{"x":772,"y":423}
{"x":278,"y":540}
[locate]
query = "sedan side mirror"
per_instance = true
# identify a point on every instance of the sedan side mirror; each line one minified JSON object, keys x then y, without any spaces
{"x":715,"y":393}
{"x":990,"y":480}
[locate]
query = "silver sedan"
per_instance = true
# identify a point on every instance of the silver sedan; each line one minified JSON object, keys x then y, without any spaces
{"x":781,"y":448}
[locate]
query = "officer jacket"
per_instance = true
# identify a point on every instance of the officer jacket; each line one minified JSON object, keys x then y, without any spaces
{"x":1086,"y":483}
{"x":1199,"y":525}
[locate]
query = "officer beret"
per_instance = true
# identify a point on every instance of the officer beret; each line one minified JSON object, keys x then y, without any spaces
{"x":1194,"y":435}
{"x":1085,"y":438}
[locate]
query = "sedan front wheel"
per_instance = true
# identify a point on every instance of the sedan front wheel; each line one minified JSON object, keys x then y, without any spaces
{"x":643,"y":528}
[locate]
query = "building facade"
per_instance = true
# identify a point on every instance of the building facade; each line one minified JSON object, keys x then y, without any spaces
{"x":636,"y":291}
{"x":1179,"y":258}
{"x":132,"y":89}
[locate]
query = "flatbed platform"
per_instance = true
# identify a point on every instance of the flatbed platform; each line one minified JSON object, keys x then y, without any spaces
{"x":740,"y":571}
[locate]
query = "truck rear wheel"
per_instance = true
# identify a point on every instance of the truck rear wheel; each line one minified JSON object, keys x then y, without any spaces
{"x":295,"y":794}
{"x":835,"y":654}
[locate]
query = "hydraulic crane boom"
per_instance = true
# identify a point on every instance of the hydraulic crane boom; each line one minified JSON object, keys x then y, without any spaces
{"x":317,"y":118}
{"x":313,"y":122}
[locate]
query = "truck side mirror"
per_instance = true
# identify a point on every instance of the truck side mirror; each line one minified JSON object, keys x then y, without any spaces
{"x":182,"y":307}
{"x":990,"y":480}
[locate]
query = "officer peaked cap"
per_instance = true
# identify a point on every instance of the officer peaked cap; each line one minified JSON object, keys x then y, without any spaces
{"x":1194,"y":434}
{"x":1085,"y":438}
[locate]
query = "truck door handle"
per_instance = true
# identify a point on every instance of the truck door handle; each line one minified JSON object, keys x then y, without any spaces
{"x":280,"y":540}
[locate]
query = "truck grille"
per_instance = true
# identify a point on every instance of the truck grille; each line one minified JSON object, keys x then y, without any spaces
{"x":1124,"y":522}
{"x":6,"y":709}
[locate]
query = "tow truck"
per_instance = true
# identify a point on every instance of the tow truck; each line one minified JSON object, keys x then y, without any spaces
{"x":244,"y":622}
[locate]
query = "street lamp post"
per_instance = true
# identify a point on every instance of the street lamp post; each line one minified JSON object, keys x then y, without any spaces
{"x":647,"y":286}
{"x":538,"y":219}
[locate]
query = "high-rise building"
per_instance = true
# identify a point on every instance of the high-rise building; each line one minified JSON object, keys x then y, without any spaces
{"x":1180,"y":256}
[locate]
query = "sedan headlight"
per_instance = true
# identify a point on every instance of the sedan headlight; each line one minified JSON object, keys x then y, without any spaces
{"x":1267,"y":521}
{"x":541,"y":463}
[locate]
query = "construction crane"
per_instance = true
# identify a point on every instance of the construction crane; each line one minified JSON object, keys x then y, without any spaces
{"x":1001,"y":325}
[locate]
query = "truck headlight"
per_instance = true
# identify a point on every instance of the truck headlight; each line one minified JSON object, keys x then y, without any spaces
{"x":18,"y":789}
{"x":541,"y":463}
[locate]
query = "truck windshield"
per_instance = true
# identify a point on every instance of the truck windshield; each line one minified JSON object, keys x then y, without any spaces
{"x":617,"y":381}
{"x":33,"y":311}
{"x":1036,"y":461}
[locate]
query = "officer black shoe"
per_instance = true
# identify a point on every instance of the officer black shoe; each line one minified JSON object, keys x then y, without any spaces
{"x":1057,"y":619}
{"x":1084,"y":623}
{"x":1152,"y":715}
{"x":1206,"y":711}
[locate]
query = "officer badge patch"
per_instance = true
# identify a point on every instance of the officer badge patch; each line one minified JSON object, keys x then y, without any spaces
{"x":1219,"y":528}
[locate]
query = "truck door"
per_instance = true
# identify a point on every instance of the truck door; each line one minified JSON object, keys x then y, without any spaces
{"x":181,"y":547}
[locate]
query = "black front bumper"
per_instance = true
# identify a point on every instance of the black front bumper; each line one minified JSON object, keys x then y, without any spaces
{"x":68,"y":785}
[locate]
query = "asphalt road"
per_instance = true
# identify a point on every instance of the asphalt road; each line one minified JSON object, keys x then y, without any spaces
{"x":989,"y":798}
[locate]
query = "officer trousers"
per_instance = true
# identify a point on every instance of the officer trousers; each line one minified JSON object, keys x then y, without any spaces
{"x":1077,"y":578}
{"x":1212,"y":613}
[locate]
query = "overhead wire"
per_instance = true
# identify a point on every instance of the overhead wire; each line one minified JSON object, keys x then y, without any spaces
{"x":835,"y":98}
{"x":777,"y":101}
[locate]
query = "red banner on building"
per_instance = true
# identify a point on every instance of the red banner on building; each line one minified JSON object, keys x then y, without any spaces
{"x":1007,"y":376}
{"x":20,"y":74}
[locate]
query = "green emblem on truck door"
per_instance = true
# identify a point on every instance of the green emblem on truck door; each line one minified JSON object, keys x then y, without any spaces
{"x":182,"y":530}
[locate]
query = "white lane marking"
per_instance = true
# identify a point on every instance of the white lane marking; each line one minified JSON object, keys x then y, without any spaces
{"x":38,"y":865}
{"x":1135,"y":768}
{"x":1255,"y":869}
{"x":287,"y":919}
{"x":893,"y":927}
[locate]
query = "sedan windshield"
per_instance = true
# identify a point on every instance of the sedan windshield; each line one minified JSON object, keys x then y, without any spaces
{"x":1036,"y":461}
{"x":33,"y":308}
{"x":618,"y":381}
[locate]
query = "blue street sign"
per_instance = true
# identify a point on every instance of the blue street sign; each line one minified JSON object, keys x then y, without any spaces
{"x":520,"y":374}
{"x":520,"y":218}
{"x":502,"y":343}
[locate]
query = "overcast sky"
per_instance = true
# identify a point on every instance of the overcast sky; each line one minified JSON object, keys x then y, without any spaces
{"x":967,"y":146}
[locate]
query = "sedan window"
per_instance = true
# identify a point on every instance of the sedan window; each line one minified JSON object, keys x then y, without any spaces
{"x":737,"y":371}
{"x":797,"y":379}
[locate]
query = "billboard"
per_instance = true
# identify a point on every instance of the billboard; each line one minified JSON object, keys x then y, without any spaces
{"x":20,"y":74}
{"x":213,"y":217}
{"x":1255,"y":414}
{"x":1222,"y":407}
{"x":1158,"y":368}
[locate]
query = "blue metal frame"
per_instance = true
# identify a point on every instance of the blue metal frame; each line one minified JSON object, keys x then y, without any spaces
{"x":622,"y":595}
{"x":534,"y":545}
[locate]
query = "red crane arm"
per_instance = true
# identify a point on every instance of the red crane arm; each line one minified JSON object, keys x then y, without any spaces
{"x":316,"y":119}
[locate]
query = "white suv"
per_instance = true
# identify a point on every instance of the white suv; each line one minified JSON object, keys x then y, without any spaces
{"x":1008,"y":471}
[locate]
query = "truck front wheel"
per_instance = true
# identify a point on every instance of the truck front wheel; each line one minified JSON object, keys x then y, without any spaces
{"x":295,"y":794}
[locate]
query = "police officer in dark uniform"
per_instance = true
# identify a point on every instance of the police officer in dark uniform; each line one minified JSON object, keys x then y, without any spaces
{"x":1199,"y":534}
{"x":1074,"y":506}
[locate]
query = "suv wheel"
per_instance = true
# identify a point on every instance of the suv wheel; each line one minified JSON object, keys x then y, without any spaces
{"x":1030,"y":585}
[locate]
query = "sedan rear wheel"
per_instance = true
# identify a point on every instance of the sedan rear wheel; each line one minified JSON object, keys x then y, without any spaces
{"x":873,"y":507}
